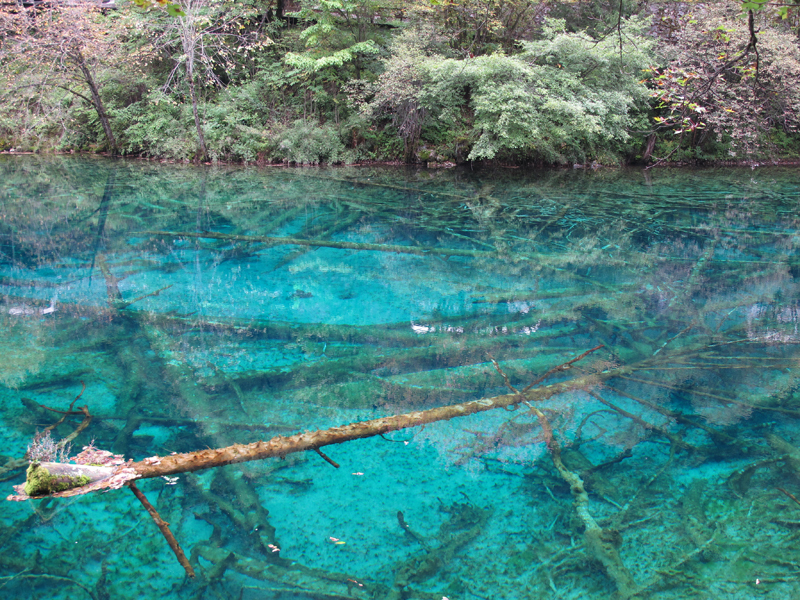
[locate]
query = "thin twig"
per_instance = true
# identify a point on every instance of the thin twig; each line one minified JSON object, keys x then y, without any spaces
{"x":780,"y":489}
{"x":59,"y":578}
{"x":674,"y":337}
{"x":505,"y":377}
{"x":83,"y":410}
{"x":676,"y":441}
{"x":67,"y":412}
{"x":127,"y":303}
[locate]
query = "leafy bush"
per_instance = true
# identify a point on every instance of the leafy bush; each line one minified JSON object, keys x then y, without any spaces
{"x":565,"y":98}
{"x":157,"y":126}
{"x":35,"y":120}
{"x":493,"y":94}
{"x":310,"y":143}
{"x":399,"y":94}
{"x":235,"y":127}
{"x":459,"y":80}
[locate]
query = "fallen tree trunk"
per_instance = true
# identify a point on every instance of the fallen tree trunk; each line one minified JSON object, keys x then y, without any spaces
{"x":159,"y":466}
{"x":458,"y":353}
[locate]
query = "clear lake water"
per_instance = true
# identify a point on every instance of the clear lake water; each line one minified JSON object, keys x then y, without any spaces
{"x":197,"y":307}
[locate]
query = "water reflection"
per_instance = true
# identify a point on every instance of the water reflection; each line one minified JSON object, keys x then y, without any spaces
{"x":273,"y":302}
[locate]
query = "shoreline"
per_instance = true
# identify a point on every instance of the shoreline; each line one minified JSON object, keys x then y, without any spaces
{"x":594,"y":166}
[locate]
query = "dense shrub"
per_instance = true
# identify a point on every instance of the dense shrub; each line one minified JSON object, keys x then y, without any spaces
{"x":311,"y":143}
{"x":347,"y":80}
{"x":159,"y":126}
{"x":565,"y":98}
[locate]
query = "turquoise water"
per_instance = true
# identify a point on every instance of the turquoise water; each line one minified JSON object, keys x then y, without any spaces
{"x":683,"y":426}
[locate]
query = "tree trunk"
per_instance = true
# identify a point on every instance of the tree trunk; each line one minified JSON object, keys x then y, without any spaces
{"x":601,"y":543}
{"x":650,"y":145}
{"x":159,"y":466}
{"x":201,"y":139}
{"x":48,"y":478}
{"x":98,"y":102}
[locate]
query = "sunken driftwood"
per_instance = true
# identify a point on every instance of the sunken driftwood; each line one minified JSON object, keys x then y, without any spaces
{"x":164,"y":527}
{"x":277,"y":241}
{"x":543,"y":260}
{"x":601,"y":543}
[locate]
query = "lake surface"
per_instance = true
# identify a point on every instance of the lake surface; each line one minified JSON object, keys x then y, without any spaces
{"x":190,"y":308}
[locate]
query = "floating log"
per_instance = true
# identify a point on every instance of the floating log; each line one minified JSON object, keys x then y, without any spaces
{"x":159,"y":466}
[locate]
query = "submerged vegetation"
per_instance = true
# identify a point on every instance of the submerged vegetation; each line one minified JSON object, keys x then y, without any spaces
{"x":343,"y":81}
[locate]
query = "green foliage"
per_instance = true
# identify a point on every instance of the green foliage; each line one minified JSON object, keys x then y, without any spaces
{"x":162,"y":126}
{"x":477,"y":27}
{"x":26,"y":130}
{"x":784,"y":144}
{"x":173,"y":10}
{"x":344,"y":80}
{"x":495,"y":90}
{"x":237,"y":125}
{"x":159,"y":126}
{"x":310,"y":143}
{"x":596,"y":18}
{"x":338,"y":32}
{"x":337,"y":58}
{"x":565,"y":98}
{"x":399,"y":93}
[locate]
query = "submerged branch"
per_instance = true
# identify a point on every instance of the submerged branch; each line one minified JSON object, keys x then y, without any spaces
{"x":551,"y":261}
{"x":601,"y":543}
{"x":164,"y":527}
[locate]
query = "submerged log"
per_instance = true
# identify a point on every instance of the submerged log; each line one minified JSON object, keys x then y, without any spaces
{"x":297,"y":580}
{"x":551,"y":261}
{"x":602,"y":543}
{"x":406,"y":334}
{"x":457,"y":353}
{"x":276,"y":241}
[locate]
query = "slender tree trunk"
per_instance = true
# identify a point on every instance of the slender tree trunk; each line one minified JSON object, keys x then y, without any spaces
{"x":98,"y":102}
{"x":650,"y":146}
{"x":189,"y":40}
{"x":201,"y":140}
